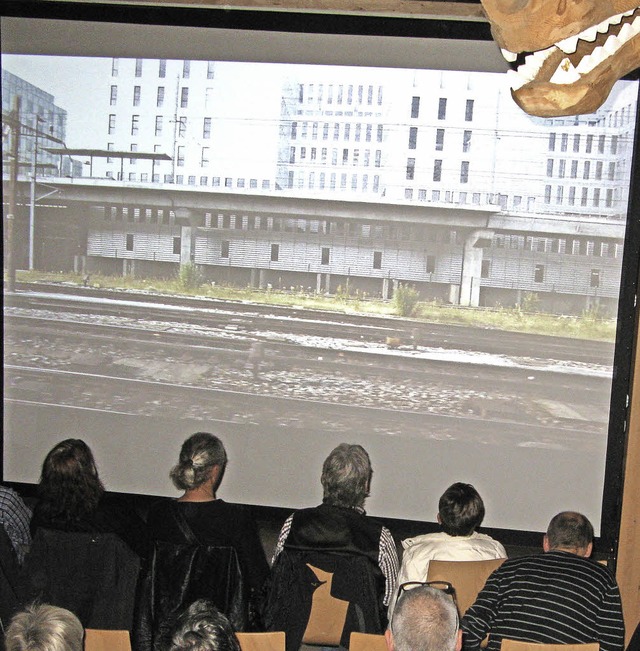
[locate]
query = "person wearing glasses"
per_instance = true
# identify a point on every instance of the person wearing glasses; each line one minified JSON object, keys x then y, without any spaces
{"x":336,"y":537}
{"x":559,"y":597}
{"x":425,"y":618}
{"x":460,"y":513}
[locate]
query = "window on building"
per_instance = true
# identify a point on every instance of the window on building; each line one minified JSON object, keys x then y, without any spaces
{"x":587,"y":169}
{"x":204,"y":158}
{"x":177,"y":245}
{"x":464,"y":172}
{"x":345,"y":156}
{"x":184,"y":97}
{"x":547,"y":194}
{"x":442,"y":108}
{"x":552,"y":142}
{"x":415,"y":107}
{"x":614,"y":144}
{"x":430,"y":266}
{"x":182,"y":126}
{"x":336,"y":131}
{"x":115,"y":64}
{"x":589,"y":145}
{"x":413,"y":137}
{"x":378,"y":162}
{"x":572,"y":195}
{"x":599,"y":170}
{"x":596,"y":197}
{"x":559,"y":194}
{"x":112,"y":123}
{"x":609,"y":198}
{"x":601,"y":141}
{"x":562,"y":168}
{"x":485,"y":269}
{"x":135,"y":124}
{"x":180,"y":156}
{"x":136,"y":95}
{"x":113,"y":98}
{"x":468,"y":111}
{"x":564,"y":142}
{"x":211,"y":69}
{"x":411,"y":169}
{"x":158,"y":128}
{"x":224,"y":249}
{"x":612,"y":171}
{"x":324,"y":256}
{"x":380,"y":133}
{"x":576,"y":142}
{"x":160,"y":96}
{"x":583,"y":198}
{"x":292,"y":154}
{"x":275,"y":252}
{"x":538,"y":273}
{"x":138,"y":72}
{"x":206,"y":128}
{"x":466,"y":141}
{"x":549,"y":167}
{"x":347,"y":131}
{"x":437,"y":170}
{"x":439,"y":139}
{"x":594,"y":279}
{"x":162,"y":68}
{"x":129,"y":243}
{"x":377,"y":259}
{"x":574,"y":169}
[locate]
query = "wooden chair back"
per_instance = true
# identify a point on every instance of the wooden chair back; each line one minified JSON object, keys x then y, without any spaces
{"x":367,"y":642}
{"x":467,"y":577}
{"x":517,"y":645}
{"x":272,"y":641}
{"x":100,"y":640}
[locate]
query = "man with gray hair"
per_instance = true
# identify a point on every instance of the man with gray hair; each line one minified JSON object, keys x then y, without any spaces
{"x":336,"y":537}
{"x":42,"y":627}
{"x":425,"y":619}
{"x":559,"y":597}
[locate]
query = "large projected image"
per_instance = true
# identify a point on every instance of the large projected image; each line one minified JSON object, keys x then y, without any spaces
{"x":293,"y":256}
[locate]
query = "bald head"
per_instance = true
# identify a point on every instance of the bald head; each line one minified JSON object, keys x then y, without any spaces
{"x":424,"y":619}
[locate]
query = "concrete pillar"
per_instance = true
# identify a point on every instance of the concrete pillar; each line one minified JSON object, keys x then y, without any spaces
{"x":327,"y":283}
{"x":472,"y":267}
{"x":386,"y":293}
{"x":319,"y":283}
{"x":262,"y":282}
{"x":186,"y":245}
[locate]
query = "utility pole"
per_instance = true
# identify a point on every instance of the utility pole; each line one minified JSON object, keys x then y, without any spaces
{"x":32,"y":202}
{"x":14,"y":124}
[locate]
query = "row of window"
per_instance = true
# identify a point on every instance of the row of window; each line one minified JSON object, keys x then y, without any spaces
{"x":202,"y":181}
{"x":333,"y":181}
{"x":341,"y":93}
{"x":442,"y":108}
{"x":346,"y":157}
{"x":580,"y":196}
{"x":595,"y":275}
{"x":338,"y":131}
{"x":589,"y":168}
{"x":439,"y":141}
{"x":161,"y":67}
{"x":562,"y":142}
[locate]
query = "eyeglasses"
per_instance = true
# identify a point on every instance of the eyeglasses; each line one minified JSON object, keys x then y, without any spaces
{"x":444,"y":586}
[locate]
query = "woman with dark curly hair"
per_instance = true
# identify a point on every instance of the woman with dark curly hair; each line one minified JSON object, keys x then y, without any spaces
{"x":71,"y":497}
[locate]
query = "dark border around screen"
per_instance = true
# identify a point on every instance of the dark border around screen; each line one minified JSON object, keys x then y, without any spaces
{"x":308,"y":22}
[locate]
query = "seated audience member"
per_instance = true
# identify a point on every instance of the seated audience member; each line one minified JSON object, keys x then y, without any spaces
{"x":460,"y":513}
{"x":338,"y":528}
{"x":204,"y":516}
{"x":424,"y":619}
{"x":202,"y":627}
{"x":560,"y":596}
{"x":71,"y":498}
{"x":15,"y":517}
{"x":41,"y":627}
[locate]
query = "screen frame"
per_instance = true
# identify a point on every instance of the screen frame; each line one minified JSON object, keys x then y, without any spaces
{"x":392,"y":31}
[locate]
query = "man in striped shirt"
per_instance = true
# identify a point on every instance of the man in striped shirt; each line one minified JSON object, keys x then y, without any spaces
{"x":559,"y":597}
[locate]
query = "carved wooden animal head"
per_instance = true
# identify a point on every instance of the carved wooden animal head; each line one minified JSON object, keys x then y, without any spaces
{"x":568,"y":53}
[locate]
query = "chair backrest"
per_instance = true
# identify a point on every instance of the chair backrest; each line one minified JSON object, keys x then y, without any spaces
{"x":92,"y":575}
{"x":101,"y":640}
{"x":320,"y":598}
{"x":467,"y":577}
{"x":271,"y":641}
{"x":517,"y":645}
{"x":367,"y":642}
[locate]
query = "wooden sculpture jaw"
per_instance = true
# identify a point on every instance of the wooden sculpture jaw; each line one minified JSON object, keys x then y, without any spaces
{"x":569,"y":53}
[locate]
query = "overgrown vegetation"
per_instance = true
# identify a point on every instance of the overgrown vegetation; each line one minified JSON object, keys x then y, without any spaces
{"x":592,"y":324}
{"x":189,"y":277}
{"x":406,"y":299}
